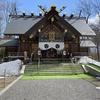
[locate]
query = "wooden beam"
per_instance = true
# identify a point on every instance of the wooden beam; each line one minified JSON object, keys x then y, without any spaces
{"x":69,"y":26}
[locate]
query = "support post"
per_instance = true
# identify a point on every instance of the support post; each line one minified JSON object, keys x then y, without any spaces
{"x":4,"y":78}
{"x":64,"y":54}
{"x":39,"y":59}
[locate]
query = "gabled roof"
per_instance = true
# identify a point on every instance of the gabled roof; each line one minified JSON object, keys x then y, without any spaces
{"x":8,"y":42}
{"x":20,"y":25}
{"x":59,"y":21}
{"x":30,"y":24}
{"x":81,"y":26}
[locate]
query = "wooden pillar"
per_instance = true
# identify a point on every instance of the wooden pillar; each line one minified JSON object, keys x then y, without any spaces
{"x":69,"y":47}
{"x":78,"y":44}
{"x":25,"y":55}
{"x":6,"y":51}
{"x":19,"y":46}
{"x":30,"y":46}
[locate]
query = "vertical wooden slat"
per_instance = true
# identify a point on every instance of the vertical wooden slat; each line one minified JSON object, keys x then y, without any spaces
{"x":4,"y":78}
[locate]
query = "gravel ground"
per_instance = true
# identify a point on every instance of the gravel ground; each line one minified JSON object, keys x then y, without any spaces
{"x":8,"y":81}
{"x":59,"y":89}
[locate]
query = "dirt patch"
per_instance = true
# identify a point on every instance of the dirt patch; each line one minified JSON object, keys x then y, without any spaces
{"x":94,"y":81}
{"x":8,"y":81}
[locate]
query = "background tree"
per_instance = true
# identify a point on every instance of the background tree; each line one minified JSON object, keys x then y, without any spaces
{"x":10,"y":8}
{"x":91,"y":7}
{"x":96,"y":6}
{"x":7,"y":7}
{"x":85,"y":6}
{"x":1,"y":16}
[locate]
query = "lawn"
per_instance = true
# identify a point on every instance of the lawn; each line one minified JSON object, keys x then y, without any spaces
{"x":25,"y":77}
{"x":94,"y":66}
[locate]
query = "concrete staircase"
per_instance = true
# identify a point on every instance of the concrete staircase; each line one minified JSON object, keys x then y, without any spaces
{"x":54,"y":69}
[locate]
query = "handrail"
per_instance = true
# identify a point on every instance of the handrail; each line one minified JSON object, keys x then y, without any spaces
{"x":80,"y":53}
{"x":16,"y":54}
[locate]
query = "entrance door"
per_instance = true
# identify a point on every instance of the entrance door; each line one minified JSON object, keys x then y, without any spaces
{"x":50,"y":53}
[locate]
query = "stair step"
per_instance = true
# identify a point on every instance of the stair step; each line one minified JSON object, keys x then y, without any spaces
{"x":54,"y":69}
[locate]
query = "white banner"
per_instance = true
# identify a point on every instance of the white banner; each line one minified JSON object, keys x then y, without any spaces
{"x":48,"y":45}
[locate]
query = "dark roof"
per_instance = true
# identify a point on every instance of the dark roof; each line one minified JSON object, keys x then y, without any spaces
{"x":21,"y":25}
{"x":8,"y":42}
{"x":81,"y":26}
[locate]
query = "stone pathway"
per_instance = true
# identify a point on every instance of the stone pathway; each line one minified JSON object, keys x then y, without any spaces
{"x":56,"y":89}
{"x":94,"y":81}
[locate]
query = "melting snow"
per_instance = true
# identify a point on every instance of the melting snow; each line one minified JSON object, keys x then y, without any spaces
{"x":86,"y":60}
{"x":12,"y":68}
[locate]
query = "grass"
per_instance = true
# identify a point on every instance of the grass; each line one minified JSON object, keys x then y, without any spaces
{"x":25,"y":77}
{"x":95,"y":66}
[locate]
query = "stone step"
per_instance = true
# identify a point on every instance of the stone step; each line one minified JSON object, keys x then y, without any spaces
{"x":49,"y":73}
{"x":54,"y":69}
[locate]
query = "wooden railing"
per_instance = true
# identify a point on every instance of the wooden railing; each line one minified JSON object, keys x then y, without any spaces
{"x":80,"y":53}
{"x":20,"y":55}
{"x":73,"y":54}
{"x":16,"y":54}
{"x":13,"y":56}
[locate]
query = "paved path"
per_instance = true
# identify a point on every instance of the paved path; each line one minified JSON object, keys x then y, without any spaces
{"x":60,"y":89}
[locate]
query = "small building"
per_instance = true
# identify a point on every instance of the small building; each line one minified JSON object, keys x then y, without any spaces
{"x":49,"y":35}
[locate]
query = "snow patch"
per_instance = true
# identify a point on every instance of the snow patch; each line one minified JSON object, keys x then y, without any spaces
{"x":23,"y":69}
{"x":98,"y":88}
{"x":12,"y":68}
{"x":86,"y":60}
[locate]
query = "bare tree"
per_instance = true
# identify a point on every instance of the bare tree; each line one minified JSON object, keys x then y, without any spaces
{"x":90,"y":7}
{"x":1,"y":15}
{"x":96,"y":6}
{"x":7,"y":7}
{"x":10,"y":8}
{"x":85,"y":6}
{"x":97,"y":41}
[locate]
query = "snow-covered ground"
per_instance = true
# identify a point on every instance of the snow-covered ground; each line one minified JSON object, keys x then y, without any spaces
{"x":12,"y":68}
{"x":86,"y":60}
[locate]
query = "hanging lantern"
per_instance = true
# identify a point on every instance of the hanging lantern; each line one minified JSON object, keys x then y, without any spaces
{"x":52,"y":19}
{"x":64,"y":52}
{"x":39,"y":30}
{"x":39,"y":52}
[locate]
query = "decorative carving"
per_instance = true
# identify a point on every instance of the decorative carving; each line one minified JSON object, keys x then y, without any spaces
{"x":46,"y":45}
{"x":57,"y":46}
{"x":51,"y":35}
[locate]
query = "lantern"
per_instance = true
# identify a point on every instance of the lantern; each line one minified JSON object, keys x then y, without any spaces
{"x":64,"y":52}
{"x":39,"y":52}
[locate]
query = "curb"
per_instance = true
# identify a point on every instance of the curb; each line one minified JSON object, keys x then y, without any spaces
{"x":5,"y":89}
{"x":22,"y":70}
{"x":98,"y":88}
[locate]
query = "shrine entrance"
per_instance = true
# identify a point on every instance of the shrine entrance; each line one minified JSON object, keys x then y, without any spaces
{"x":51,"y":53}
